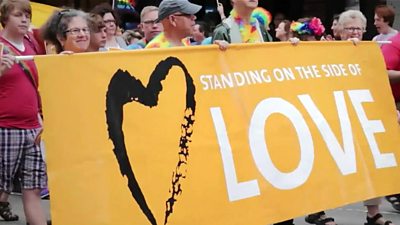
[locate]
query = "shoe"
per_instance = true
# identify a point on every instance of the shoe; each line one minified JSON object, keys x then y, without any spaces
{"x":6,"y":213}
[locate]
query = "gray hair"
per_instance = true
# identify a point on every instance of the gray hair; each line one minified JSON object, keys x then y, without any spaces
{"x":57,"y":24}
{"x":146,"y":10}
{"x":351,"y":15}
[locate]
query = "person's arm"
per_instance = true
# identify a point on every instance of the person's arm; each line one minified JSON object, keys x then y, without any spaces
{"x":221,"y":37}
{"x":394,"y":76}
{"x":220,"y":9}
{"x":221,"y":33}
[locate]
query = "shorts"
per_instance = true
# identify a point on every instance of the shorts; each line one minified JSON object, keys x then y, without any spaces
{"x":20,"y":156}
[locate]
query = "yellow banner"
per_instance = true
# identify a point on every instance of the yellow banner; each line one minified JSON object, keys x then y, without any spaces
{"x":40,"y":13}
{"x":254,"y":135}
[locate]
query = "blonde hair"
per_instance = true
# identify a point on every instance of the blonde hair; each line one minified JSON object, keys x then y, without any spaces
{"x":146,"y":10}
{"x":7,"y":6}
{"x":95,"y":22}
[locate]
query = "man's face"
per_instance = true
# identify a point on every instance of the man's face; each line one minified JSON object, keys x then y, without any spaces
{"x":380,"y":24}
{"x":197,"y":35}
{"x":183,"y":23}
{"x":99,"y":38}
{"x":249,"y":4}
{"x":149,"y":26}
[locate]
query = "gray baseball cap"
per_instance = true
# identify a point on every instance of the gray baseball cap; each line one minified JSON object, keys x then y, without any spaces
{"x":169,"y":7}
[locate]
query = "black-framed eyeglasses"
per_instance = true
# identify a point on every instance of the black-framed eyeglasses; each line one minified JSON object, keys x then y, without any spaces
{"x":150,"y":22}
{"x":76,"y":31}
{"x":109,"y":21}
{"x":353,"y":29}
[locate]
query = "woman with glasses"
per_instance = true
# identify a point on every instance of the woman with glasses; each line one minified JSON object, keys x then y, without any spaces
{"x":352,"y":24}
{"x":114,"y":41}
{"x":306,"y":29}
{"x":68,"y":31}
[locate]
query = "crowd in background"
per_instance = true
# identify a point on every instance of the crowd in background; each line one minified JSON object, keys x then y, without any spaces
{"x":171,"y":24}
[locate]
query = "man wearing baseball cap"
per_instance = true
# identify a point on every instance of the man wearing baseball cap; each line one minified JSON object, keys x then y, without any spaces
{"x":178,"y":19}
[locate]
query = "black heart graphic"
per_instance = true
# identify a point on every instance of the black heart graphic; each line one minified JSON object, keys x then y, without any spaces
{"x":124,"y":88}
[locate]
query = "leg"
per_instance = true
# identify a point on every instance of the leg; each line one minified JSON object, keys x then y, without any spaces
{"x":3,"y":196}
{"x":33,"y":180}
{"x":5,"y":208}
{"x":372,"y":210}
{"x":373,"y":215}
{"x":33,"y":207}
{"x":10,"y":156}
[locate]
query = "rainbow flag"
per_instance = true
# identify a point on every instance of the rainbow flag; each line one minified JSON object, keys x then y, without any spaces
{"x":262,"y":15}
{"x":128,"y":5}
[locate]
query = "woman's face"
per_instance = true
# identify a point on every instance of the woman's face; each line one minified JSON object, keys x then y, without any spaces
{"x":354,"y":28}
{"x":77,"y":35}
{"x":281,"y":34}
{"x":111,"y":25}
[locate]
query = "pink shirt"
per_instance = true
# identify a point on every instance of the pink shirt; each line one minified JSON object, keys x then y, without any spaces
{"x":391,"y":54}
{"x":18,"y":97}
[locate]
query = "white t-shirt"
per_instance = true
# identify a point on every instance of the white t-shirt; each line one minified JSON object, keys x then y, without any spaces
{"x":385,"y":37}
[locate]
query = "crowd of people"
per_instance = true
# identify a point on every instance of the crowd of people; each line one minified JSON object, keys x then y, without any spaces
{"x":171,"y":24}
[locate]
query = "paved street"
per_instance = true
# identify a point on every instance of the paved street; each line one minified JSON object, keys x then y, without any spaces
{"x":350,"y":215}
{"x":355,"y":214}
{"x":16,"y":202}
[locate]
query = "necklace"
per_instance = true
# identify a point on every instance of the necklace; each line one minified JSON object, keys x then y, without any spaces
{"x":249,"y":31}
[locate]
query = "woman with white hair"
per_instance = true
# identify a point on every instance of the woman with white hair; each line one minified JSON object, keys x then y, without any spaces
{"x":352,"y":24}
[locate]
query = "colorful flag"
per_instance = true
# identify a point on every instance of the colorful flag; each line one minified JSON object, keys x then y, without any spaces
{"x":128,"y":5}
